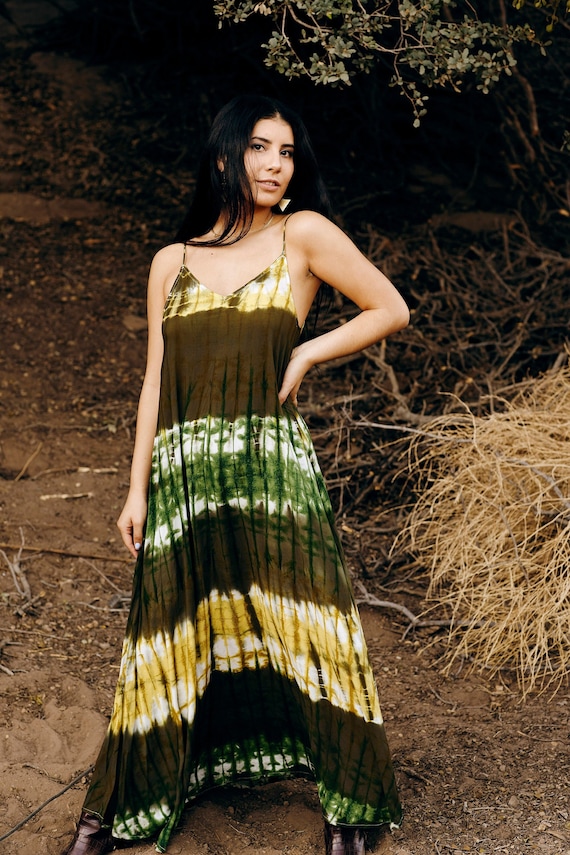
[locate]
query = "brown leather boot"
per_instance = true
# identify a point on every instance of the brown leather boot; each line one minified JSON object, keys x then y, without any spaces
{"x":90,"y":838}
{"x":343,"y":841}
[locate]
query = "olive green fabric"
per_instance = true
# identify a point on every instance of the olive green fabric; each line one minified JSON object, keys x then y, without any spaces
{"x":244,"y":658}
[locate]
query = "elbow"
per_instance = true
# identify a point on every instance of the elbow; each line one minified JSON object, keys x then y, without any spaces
{"x":401,"y":316}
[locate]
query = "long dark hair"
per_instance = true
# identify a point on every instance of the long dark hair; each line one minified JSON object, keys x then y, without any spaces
{"x":230,"y":191}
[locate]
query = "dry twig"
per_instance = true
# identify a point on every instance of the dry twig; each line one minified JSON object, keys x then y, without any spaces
{"x":23,"y":590}
{"x":28,"y":462}
{"x":67,"y":552}
{"x":492,"y":524}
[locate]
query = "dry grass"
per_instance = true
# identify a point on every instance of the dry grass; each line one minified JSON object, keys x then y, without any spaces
{"x":492,"y":525}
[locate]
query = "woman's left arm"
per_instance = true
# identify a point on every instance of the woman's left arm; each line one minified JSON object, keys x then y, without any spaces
{"x":332,"y":257}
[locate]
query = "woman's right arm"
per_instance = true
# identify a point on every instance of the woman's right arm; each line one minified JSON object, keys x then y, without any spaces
{"x":133,"y":516}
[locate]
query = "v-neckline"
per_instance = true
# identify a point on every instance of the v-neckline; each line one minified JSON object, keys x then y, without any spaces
{"x":236,"y":291}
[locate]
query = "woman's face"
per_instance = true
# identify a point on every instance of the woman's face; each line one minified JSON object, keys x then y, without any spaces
{"x":269,"y":160}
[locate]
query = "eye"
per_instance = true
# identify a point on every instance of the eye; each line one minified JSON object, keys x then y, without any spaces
{"x":287,"y":152}
{"x":256,"y":146}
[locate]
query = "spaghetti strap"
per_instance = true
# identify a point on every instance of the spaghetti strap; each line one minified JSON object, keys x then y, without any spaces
{"x":286,"y":220}
{"x":184,"y":256}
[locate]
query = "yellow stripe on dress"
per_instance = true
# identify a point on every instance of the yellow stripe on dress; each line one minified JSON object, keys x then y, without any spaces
{"x":330,"y":636}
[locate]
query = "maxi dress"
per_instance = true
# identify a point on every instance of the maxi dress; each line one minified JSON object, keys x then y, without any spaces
{"x":244,"y":658}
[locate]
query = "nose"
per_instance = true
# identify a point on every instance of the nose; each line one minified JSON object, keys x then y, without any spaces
{"x":274,"y":160}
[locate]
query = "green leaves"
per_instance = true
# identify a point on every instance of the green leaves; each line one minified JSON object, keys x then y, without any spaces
{"x":426,"y":42}
{"x":553,"y":9}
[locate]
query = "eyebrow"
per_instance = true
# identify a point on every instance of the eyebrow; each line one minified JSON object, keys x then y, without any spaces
{"x":265,"y":140}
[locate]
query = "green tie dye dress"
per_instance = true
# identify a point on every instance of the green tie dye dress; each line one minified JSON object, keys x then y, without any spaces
{"x":244,"y":658}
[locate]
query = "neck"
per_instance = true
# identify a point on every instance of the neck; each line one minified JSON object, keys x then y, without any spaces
{"x":260,"y":221}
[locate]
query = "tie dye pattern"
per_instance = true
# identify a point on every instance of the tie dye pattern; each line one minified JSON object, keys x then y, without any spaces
{"x":244,"y":658}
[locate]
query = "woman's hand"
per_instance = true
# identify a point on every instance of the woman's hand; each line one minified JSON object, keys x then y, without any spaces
{"x":131,"y":522}
{"x":294,"y":373}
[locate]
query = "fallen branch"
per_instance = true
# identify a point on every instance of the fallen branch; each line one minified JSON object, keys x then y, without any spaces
{"x":370,"y":600}
{"x":21,"y":583}
{"x":109,"y":470}
{"x":46,"y":803}
{"x":118,"y":590}
{"x":30,"y":460}
{"x":66,"y":496}
{"x":111,"y":608}
{"x":66,"y":552}
{"x":414,"y":620}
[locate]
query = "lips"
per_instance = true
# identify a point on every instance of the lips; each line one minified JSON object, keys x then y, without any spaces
{"x":269,"y":185}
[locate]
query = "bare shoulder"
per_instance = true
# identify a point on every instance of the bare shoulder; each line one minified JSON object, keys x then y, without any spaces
{"x":169,"y":255}
{"x":164,"y":269}
{"x":309,"y":224}
{"x":321,"y":240}
{"x":314,"y":232}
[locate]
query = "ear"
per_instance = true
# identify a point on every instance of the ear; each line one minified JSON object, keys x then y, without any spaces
{"x":221,"y":165}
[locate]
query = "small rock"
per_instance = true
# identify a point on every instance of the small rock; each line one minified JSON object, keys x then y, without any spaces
{"x":134,"y":323}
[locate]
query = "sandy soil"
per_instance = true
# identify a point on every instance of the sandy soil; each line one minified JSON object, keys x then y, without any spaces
{"x":478,"y":771}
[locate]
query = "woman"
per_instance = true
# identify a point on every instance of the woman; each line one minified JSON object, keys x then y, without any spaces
{"x":244,"y":658}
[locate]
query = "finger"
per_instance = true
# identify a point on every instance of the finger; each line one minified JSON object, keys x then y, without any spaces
{"x":127,"y":536}
{"x":138,"y":538}
{"x":128,"y":541}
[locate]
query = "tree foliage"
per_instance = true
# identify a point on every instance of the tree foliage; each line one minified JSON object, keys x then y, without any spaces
{"x":555,"y":10}
{"x":424,"y":43}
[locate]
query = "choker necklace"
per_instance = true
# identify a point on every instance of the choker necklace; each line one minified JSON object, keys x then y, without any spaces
{"x":250,"y":231}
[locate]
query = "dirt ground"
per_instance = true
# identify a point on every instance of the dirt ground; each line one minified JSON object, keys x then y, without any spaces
{"x":478,"y":770}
